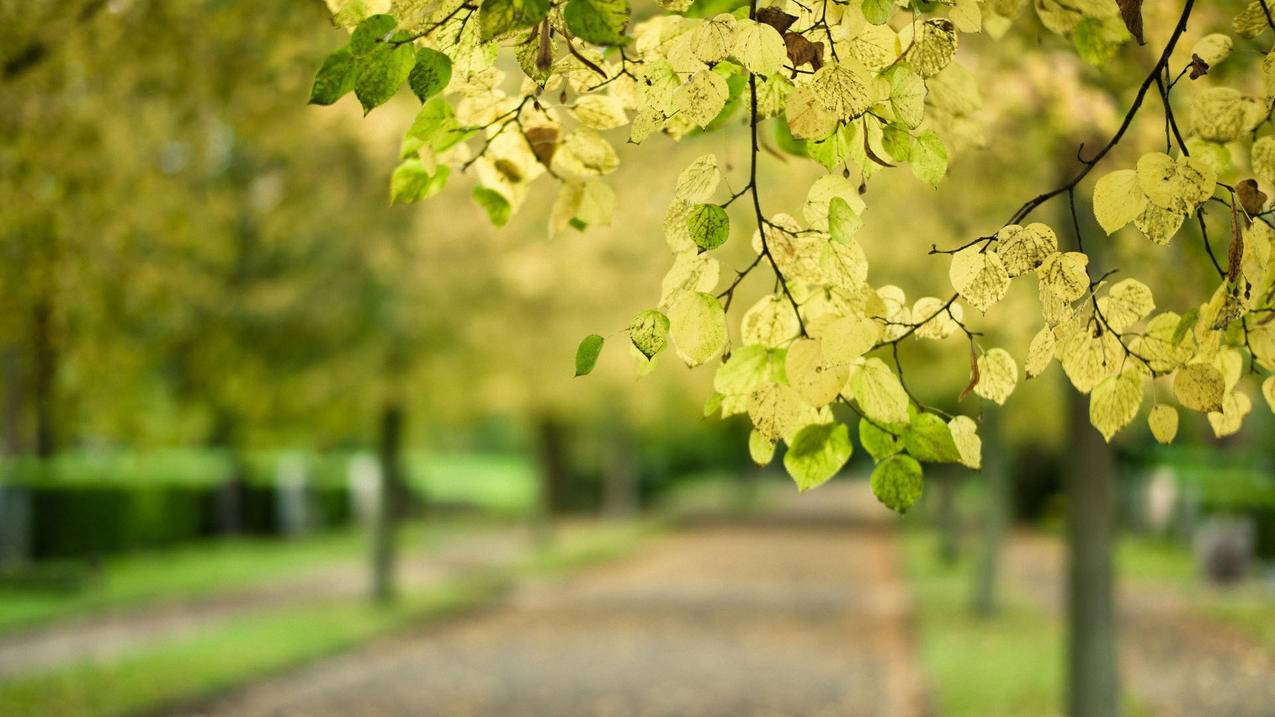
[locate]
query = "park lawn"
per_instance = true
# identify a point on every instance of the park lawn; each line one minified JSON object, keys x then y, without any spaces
{"x":1009,"y":664}
{"x":234,"y":653}
{"x":496,"y":484}
{"x":191,"y":571}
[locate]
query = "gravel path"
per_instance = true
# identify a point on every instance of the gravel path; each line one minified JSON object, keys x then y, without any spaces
{"x":802,"y":614}
{"x":1174,"y":661}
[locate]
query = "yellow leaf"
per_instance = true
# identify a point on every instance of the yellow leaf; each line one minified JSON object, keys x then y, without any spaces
{"x":1087,"y":359}
{"x":713,"y":39}
{"x":696,"y":183}
{"x":937,"y":324}
{"x":701,"y":98}
{"x":814,"y":378}
{"x":775,"y":409}
{"x":759,"y":48}
{"x":843,"y":88}
{"x":965,"y":435}
{"x":1199,"y":387}
{"x":1128,"y":301}
{"x":1118,"y":199}
{"x":1178,"y":186}
{"x":1159,"y":225}
{"x":1212,"y":48}
{"x":770,"y":322}
{"x":807,"y":116}
{"x":878,"y":392}
{"x":697,"y":326}
{"x":1114,"y":402}
{"x":979,"y":277}
{"x":1065,"y":275}
{"x":1228,"y":421}
{"x":584,"y":153}
{"x":933,"y":46}
{"x":1025,"y":248}
{"x":997,"y":375}
{"x":760,"y":448}
{"x":1163,"y":421}
{"x":692,"y":271}
{"x":848,"y":338}
{"x":1268,"y":391}
{"x":1040,"y":352}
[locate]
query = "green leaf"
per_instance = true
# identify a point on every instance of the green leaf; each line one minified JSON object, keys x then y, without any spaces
{"x":431,"y":74}
{"x":879,"y":443}
{"x":878,"y":12}
{"x":436,"y":127}
{"x":494,"y":203}
{"x":789,"y":143}
{"x":896,"y":482}
{"x":498,"y":17}
{"x":649,"y":332}
{"x":897,"y":142}
{"x":381,"y":73}
{"x":817,"y":453}
{"x":334,"y":79}
{"x":371,"y":33}
{"x":708,"y":225}
{"x":412,"y":182}
{"x":929,"y":439}
{"x":833,"y":149}
{"x":598,"y":21}
{"x":587,"y":354}
{"x":842,"y":221}
{"x":929,"y":158}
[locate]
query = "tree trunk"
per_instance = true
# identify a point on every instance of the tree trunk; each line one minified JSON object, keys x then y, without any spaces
{"x":986,"y":596}
{"x":552,"y":456}
{"x":44,"y":364}
{"x":1092,"y":685}
{"x":13,"y":399}
{"x":389,"y":505}
{"x":949,"y":521}
{"x":620,"y":499}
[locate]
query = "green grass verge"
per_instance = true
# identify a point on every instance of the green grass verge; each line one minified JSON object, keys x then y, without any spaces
{"x":235,"y":652}
{"x":190,"y":572}
{"x":1006,"y":665}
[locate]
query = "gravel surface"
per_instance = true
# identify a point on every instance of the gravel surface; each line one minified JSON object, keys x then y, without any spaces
{"x":804,"y":614}
{"x":1175,"y":661}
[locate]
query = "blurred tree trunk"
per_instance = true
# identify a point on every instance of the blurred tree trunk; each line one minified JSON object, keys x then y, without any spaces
{"x":13,"y":400}
{"x":620,"y":499}
{"x":389,"y":506}
{"x":551,"y":452}
{"x":44,"y":364}
{"x":986,"y":595}
{"x":230,"y":495}
{"x":1089,"y":484}
{"x":949,"y":521}
{"x":1092,"y":688}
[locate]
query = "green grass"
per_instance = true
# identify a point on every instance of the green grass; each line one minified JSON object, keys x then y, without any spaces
{"x":192,"y":571}
{"x":247,"y":648}
{"x":1006,"y":665}
{"x":221,"y":658}
{"x":497,"y":483}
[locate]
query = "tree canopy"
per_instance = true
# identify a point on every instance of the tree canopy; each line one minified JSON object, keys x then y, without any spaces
{"x":515,"y":91}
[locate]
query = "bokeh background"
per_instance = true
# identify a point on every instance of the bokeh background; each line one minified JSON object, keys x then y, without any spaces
{"x":273,"y":446}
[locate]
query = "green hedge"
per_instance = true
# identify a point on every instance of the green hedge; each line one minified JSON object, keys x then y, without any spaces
{"x":89,"y":506}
